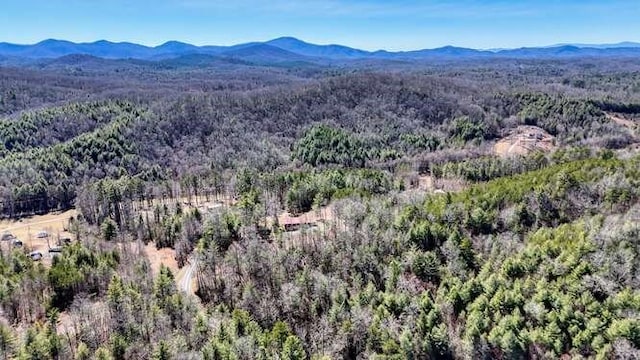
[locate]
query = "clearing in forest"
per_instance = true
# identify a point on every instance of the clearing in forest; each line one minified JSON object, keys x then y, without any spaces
{"x":321,"y":214}
{"x":428,"y":183}
{"x":632,"y":126}
{"x":525,"y":139}
{"x":55,"y":224}
{"x":620,"y":120}
{"x":157,"y":257}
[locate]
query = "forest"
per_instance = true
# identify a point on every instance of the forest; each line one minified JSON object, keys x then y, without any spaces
{"x":468,"y":209}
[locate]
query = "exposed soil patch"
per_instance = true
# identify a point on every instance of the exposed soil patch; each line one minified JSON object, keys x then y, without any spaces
{"x":158,"y":257}
{"x":525,"y":139}
{"x":622,"y":121}
{"x":425,"y":182}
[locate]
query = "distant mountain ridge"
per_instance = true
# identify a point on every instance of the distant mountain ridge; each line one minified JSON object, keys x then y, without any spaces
{"x":329,"y":51}
{"x":289,"y":49}
{"x":624,"y":44}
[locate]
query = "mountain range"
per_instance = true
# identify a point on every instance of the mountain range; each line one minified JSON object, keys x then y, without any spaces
{"x":289,"y":49}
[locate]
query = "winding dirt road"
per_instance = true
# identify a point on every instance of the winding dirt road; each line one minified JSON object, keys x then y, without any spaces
{"x":185,"y":282}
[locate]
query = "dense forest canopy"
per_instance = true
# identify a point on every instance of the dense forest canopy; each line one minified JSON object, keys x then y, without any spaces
{"x":391,"y":210}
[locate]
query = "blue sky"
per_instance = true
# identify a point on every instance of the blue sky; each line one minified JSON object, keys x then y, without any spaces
{"x":367,"y":24}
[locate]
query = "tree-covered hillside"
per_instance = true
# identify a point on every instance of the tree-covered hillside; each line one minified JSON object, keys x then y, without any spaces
{"x":446,"y":210}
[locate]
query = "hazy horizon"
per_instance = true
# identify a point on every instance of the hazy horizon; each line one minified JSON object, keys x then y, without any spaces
{"x":567,"y":43}
{"x":363,"y":24}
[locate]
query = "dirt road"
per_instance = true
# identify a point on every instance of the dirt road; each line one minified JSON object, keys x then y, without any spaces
{"x":185,"y":278}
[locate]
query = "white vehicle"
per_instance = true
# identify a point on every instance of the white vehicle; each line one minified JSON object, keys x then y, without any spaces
{"x":35,"y":255}
{"x":17,"y":243}
{"x":42,"y":234}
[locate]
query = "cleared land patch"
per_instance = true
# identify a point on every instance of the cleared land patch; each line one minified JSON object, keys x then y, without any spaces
{"x":55,"y":224}
{"x":525,"y":139}
{"x":622,"y":121}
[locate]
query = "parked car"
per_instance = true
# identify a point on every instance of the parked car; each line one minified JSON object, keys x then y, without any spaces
{"x":55,"y":249}
{"x":35,"y":255}
{"x":17,"y":243}
{"x":42,"y":234}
